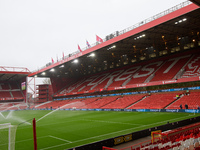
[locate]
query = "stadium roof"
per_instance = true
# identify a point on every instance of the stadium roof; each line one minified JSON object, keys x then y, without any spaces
{"x":8,"y":74}
{"x":148,"y":39}
{"x":197,"y":2}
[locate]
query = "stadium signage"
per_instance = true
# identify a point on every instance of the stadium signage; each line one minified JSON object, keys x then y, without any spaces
{"x":170,"y":81}
{"x":107,"y":109}
{"x":154,"y":110}
{"x":98,"y":109}
{"x":172,"y":110}
{"x":123,"y":139}
{"x":141,"y":110}
{"x":117,"y":109}
{"x":139,"y":85}
{"x":128,"y":109}
{"x":191,"y":111}
{"x":132,"y":93}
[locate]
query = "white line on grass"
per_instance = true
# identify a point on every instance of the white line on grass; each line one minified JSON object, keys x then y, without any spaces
{"x":110,"y":122}
{"x":110,"y":133}
{"x":31,"y":139}
{"x":60,"y":139}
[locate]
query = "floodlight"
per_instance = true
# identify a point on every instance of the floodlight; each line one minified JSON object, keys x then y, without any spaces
{"x":75,"y":61}
{"x":184,"y":19}
{"x":61,"y":66}
{"x":92,"y":55}
{"x":52,"y":70}
{"x":113,"y":46}
{"x":43,"y":73}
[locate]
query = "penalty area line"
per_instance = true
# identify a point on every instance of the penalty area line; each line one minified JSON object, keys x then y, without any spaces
{"x":60,"y":139}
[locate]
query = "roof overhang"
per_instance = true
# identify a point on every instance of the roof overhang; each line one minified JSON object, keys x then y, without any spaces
{"x":154,"y":30}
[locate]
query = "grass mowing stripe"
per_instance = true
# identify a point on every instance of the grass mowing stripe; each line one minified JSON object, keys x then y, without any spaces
{"x":112,"y":133}
{"x":60,"y":139}
{"x":30,"y":139}
{"x":109,"y":122}
{"x":116,"y":131}
{"x":83,"y":127}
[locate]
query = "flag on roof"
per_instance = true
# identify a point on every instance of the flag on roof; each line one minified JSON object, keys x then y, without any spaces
{"x":99,"y":39}
{"x":52,"y":60}
{"x":88,"y":44}
{"x":79,"y":48}
{"x":63,"y":55}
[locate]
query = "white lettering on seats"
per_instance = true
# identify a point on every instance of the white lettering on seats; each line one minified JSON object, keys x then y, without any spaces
{"x":111,"y":76}
{"x":150,"y":68}
{"x":85,"y":81}
{"x":127,"y":74}
{"x":97,"y":80}
{"x":193,"y":68}
{"x":175,"y":61}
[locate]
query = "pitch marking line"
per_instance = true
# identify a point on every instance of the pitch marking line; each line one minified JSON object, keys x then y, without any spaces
{"x":110,"y":122}
{"x":60,"y":139}
{"x":111,"y":133}
{"x":30,"y":139}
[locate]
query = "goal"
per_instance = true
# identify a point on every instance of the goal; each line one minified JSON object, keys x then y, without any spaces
{"x":7,"y":136}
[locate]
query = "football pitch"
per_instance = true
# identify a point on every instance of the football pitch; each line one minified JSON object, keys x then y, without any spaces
{"x":57,"y":130}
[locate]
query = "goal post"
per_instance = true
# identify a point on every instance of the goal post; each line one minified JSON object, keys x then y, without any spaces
{"x":7,"y":136}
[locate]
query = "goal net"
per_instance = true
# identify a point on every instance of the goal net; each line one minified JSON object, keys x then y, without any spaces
{"x":7,"y":136}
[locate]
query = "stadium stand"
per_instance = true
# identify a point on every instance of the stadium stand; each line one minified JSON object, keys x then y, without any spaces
{"x":184,"y":138}
{"x":155,"y":101}
{"x":167,"y":68}
{"x":100,"y":102}
{"x":12,"y":106}
{"x":164,"y":59}
{"x":11,"y":79}
{"x":170,"y":68}
{"x":10,"y":91}
{"x":192,"y":68}
{"x":192,"y":100}
{"x":123,"y":102}
{"x":167,"y":100}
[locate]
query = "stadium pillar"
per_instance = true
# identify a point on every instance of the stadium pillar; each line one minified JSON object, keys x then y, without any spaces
{"x":34,"y":134}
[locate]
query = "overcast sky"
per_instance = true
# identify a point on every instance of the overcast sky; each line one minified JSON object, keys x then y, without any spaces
{"x":34,"y":31}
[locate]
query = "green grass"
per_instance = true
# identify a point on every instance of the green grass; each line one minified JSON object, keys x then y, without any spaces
{"x":66,"y":129}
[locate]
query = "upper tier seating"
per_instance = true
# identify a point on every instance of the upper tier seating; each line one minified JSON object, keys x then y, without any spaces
{"x":4,"y":86}
{"x":166,"y":68}
{"x":17,"y":94}
{"x":10,"y":91}
{"x":5,"y":94}
{"x":170,"y":68}
{"x":192,"y":69}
